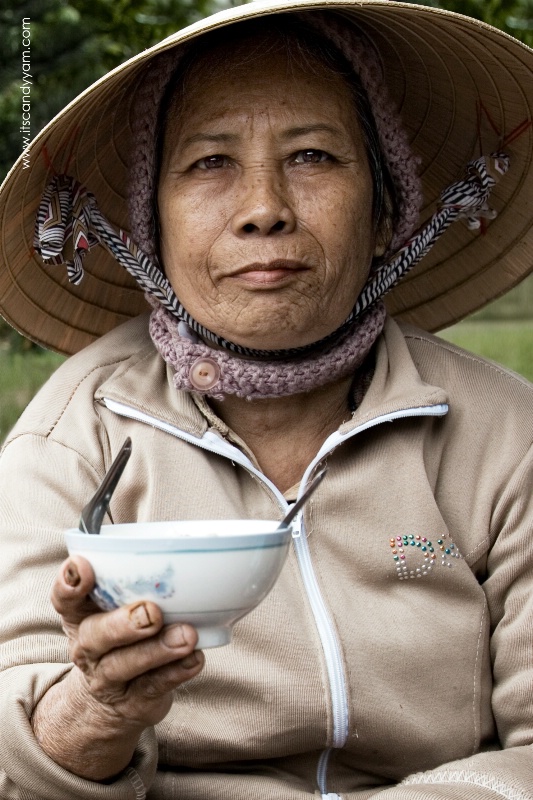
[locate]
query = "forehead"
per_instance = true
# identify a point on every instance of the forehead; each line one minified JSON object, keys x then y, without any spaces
{"x":264,"y":69}
{"x":263,"y":74}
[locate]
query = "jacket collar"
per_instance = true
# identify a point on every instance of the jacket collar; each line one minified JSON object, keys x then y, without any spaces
{"x":144,"y":381}
{"x":396,"y":384}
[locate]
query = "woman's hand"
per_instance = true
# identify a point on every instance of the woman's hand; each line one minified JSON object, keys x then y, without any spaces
{"x":127,"y":665}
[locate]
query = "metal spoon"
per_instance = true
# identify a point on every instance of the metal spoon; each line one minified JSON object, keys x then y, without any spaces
{"x":95,"y":510}
{"x":289,"y":516}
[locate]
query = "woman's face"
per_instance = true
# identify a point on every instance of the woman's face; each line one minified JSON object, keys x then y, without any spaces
{"x":265,"y":202}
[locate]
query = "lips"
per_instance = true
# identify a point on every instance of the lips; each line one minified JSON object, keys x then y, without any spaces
{"x":271,"y":273}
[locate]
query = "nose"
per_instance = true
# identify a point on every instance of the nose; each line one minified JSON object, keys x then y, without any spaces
{"x":262,"y":207}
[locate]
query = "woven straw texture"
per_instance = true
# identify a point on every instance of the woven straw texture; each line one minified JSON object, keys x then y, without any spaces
{"x":461,"y":88}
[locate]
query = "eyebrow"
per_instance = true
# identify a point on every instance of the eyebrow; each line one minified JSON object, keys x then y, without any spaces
{"x":212,"y":138}
{"x":318,"y":127}
{"x":231,"y":138}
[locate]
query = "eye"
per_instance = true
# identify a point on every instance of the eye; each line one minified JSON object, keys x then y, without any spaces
{"x":311,"y":157}
{"x":212,"y":162}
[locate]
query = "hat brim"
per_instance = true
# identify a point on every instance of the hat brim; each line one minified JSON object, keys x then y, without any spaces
{"x":461,"y":87}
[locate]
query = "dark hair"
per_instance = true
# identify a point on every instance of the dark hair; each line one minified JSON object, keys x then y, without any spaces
{"x":302,"y":42}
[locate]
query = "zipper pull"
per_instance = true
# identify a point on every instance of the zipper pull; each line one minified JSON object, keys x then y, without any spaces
{"x":296,"y":526}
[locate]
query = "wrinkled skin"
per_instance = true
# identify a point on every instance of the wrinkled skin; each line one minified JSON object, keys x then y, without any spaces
{"x":268,"y":161}
{"x":126,"y":667}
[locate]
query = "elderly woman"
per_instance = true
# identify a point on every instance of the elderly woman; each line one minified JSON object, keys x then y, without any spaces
{"x":273,"y":202}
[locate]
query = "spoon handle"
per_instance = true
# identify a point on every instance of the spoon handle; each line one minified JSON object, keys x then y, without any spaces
{"x":94,"y":512}
{"x":289,"y":516}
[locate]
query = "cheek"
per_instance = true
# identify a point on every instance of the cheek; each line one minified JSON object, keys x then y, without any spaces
{"x":189,"y":225}
{"x":348,"y":244}
{"x":341,"y":220}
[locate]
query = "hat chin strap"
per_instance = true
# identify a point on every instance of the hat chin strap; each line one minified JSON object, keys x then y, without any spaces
{"x":69,"y":211}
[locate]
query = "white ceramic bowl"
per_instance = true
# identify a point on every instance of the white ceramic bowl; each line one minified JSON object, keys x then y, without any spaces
{"x":209,"y":573}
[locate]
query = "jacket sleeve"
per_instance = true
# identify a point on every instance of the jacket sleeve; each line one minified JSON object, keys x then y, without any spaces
{"x":43,"y":485}
{"x":505,"y":774}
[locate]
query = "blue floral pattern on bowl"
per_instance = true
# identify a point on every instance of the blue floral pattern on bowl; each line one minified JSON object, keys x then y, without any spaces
{"x":109,"y":595}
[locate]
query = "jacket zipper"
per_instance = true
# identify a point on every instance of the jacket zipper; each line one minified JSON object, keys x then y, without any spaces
{"x":327,"y":632}
{"x":328,"y":635}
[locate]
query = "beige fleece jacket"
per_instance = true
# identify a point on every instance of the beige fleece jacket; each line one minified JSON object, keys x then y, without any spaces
{"x":364,"y":673}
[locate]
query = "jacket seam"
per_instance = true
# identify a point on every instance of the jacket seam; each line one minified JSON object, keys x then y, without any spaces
{"x":45,"y":436}
{"x":511,"y":376}
{"x":465,"y":776}
{"x":484,"y":545}
{"x":475,"y":687}
{"x":77,"y":386}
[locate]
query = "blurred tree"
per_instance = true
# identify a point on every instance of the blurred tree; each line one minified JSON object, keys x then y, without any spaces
{"x":512,"y":16}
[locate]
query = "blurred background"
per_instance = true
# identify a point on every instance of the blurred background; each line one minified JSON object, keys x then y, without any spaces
{"x":74,"y":43}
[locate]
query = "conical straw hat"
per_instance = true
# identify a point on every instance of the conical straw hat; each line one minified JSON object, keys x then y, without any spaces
{"x":462,"y":87}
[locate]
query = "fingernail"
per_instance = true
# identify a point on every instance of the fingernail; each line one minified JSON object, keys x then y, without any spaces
{"x":140,"y":617}
{"x":190,"y":661}
{"x":173,"y":636}
{"x":71,"y":574}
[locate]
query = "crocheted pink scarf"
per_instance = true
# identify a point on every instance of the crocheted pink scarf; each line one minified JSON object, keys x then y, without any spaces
{"x":227,"y":374}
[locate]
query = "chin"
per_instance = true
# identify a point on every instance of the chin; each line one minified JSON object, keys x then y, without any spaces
{"x":270,"y":341}
{"x":280,"y":334}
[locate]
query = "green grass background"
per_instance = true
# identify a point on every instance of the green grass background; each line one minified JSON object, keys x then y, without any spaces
{"x":21,"y":376}
{"x":508,"y":342}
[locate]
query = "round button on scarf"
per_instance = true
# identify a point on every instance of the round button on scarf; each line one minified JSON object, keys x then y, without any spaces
{"x":204,"y":373}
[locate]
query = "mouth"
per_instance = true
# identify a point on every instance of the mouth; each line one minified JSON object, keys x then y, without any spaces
{"x":269,"y":274}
